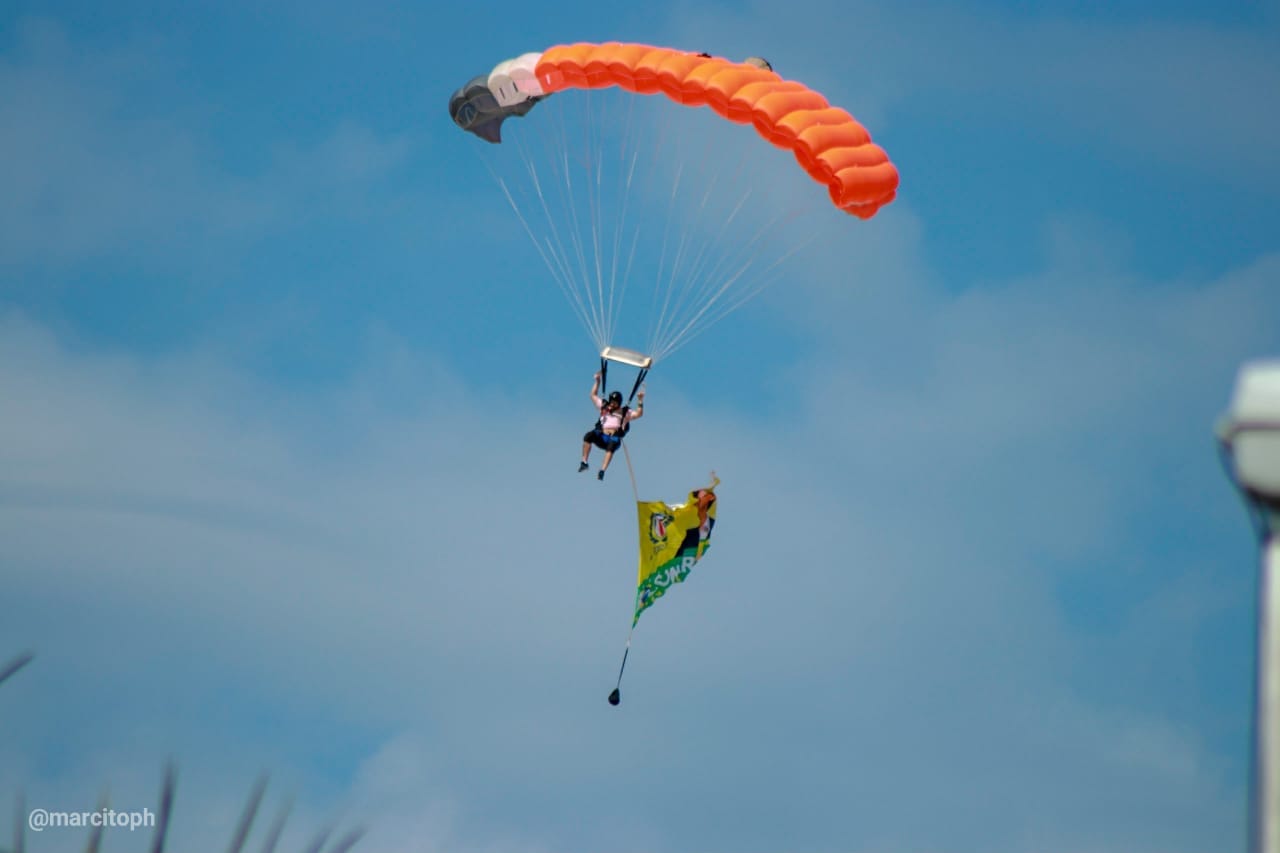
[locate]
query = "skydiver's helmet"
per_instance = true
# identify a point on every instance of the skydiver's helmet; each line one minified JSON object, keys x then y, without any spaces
{"x":615,"y":398}
{"x":759,"y":62}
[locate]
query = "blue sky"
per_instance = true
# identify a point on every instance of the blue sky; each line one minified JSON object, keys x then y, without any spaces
{"x":289,"y":423}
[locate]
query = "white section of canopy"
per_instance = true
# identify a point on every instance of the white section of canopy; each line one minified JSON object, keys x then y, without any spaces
{"x":513,"y":80}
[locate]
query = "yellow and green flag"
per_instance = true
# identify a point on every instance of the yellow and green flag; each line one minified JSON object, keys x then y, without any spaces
{"x":672,"y":539}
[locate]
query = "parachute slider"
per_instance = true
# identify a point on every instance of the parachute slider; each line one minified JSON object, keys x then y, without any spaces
{"x":627,"y":356}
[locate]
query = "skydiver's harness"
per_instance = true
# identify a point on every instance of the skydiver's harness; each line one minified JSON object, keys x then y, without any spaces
{"x":615,"y":440}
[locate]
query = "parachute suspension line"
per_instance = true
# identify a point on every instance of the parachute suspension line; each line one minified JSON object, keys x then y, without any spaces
{"x":677,"y":265}
{"x":666,"y":241}
{"x":576,"y":231}
{"x":676,"y":299}
{"x":610,"y":205}
{"x":549,"y":256}
{"x":673,"y":296}
{"x":565,"y":255}
{"x":708,"y":241}
{"x":576,"y":204}
{"x":705,"y":317}
{"x":581,"y":163}
{"x":705,"y":279}
{"x":627,"y":160}
{"x":669,"y":219}
{"x":631,"y":164}
{"x":609,"y":235}
{"x":710,"y":297}
{"x":555,"y":245}
{"x":670,"y":287}
{"x":590,"y":163}
{"x":702,"y":320}
{"x":631,"y":257}
{"x":597,"y":201}
{"x":691,"y":294}
{"x":567,"y":250}
{"x":592,"y":166}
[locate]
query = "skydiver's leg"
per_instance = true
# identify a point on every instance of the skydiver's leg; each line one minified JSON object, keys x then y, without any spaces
{"x":608,"y":456}
{"x":587,"y":440}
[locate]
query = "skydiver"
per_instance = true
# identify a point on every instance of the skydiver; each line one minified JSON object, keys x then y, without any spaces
{"x":615,"y":420}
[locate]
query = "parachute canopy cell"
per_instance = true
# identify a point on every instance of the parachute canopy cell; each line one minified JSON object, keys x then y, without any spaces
{"x":828,"y":143}
{"x":481,"y":109}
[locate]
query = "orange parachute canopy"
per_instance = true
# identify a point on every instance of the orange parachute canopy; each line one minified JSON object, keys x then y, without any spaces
{"x":830,"y":145}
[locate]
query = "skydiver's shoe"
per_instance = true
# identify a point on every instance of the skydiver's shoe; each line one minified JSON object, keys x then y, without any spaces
{"x":600,"y":476}
{"x":582,"y":466}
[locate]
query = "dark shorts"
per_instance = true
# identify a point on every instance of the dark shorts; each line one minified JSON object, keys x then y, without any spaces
{"x":602,"y":441}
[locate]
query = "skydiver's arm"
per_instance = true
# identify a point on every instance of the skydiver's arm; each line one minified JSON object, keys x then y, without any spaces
{"x":638,"y":411}
{"x":595,"y":393}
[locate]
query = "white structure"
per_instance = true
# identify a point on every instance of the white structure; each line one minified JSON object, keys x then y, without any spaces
{"x":627,"y":356}
{"x":1250,"y":433}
